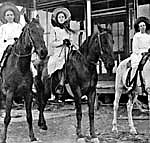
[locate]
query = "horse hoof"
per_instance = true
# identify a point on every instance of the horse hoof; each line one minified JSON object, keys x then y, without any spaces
{"x":37,"y":141}
{"x":3,"y":142}
{"x":81,"y":140}
{"x":133,"y":131}
{"x":95,"y":140}
{"x":44,"y":127}
{"x":34,"y":139}
{"x":115,"y":130}
{"x":43,"y":131}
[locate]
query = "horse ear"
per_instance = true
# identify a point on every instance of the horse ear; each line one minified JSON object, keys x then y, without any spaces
{"x":37,"y":18}
{"x":26,"y":19}
{"x":99,"y":27}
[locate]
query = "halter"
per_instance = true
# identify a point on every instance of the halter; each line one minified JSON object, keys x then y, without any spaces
{"x":99,"y":40}
{"x":30,"y":38}
{"x":100,"y":45}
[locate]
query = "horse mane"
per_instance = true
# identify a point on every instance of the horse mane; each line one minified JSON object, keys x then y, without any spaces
{"x":87,"y":43}
{"x":84,"y":45}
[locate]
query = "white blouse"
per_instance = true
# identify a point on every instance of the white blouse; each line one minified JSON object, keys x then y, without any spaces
{"x":141,"y":43}
{"x":10,"y":31}
{"x":57,"y":35}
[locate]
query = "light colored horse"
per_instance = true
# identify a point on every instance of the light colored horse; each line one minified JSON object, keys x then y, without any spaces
{"x":121,"y":75}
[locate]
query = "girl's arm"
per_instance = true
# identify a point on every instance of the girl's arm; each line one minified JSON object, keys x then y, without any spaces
{"x":1,"y":34}
{"x":135,"y":44}
{"x":54,"y":42}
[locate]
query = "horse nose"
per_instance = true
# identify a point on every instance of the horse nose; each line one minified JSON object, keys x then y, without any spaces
{"x":43,"y":53}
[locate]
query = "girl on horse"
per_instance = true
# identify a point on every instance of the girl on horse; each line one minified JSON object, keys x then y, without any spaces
{"x":13,"y":22}
{"x":61,"y":30}
{"x":10,"y":30}
{"x":139,"y":83}
{"x":141,"y":42}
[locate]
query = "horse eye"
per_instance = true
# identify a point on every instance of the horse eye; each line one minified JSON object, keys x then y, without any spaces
{"x":42,"y":31}
{"x":33,"y":31}
{"x":105,"y":41}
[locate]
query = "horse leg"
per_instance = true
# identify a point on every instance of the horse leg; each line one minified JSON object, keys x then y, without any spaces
{"x":41,"y":122}
{"x":118,"y":93}
{"x":130,"y":104}
{"x":149,"y":109}
{"x":28,"y":105}
{"x":9,"y":99}
{"x":148,"y":91}
{"x":77,"y":93}
{"x":40,"y":101}
{"x":91,"y":100}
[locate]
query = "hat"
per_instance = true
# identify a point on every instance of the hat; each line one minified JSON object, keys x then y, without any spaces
{"x":142,"y":19}
{"x":59,"y":10}
{"x":9,"y":6}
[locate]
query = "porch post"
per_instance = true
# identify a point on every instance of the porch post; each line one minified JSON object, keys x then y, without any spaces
{"x":47,"y":25}
{"x":135,"y":9}
{"x":34,"y":9}
{"x":88,"y":9}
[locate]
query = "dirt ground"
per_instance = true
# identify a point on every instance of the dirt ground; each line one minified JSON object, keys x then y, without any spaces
{"x":61,"y":123}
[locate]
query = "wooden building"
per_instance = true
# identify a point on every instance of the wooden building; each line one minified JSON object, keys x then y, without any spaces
{"x":117,"y":15}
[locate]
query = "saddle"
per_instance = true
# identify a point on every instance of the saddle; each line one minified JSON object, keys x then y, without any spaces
{"x":132,"y":82}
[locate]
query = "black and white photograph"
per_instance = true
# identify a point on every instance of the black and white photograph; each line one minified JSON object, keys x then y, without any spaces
{"x":74,"y":71}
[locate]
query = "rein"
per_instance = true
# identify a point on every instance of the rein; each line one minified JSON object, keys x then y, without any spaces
{"x":100,"y":45}
{"x":99,"y":40}
{"x":22,"y":56}
{"x":26,"y":55}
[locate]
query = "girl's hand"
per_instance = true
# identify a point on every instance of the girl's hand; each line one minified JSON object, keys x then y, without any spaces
{"x":66,"y":42}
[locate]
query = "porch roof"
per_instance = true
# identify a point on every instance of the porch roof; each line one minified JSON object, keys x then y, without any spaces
{"x":77,"y":7}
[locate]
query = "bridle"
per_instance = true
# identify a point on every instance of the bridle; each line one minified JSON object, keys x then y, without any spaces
{"x":100,"y":45}
{"x":99,"y":41}
{"x":32,"y":44}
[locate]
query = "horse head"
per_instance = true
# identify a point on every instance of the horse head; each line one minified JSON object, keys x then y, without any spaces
{"x":33,"y":33}
{"x":105,"y":40}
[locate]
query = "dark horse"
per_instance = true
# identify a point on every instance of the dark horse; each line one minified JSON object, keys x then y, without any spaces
{"x":81,"y":74}
{"x":17,"y":77}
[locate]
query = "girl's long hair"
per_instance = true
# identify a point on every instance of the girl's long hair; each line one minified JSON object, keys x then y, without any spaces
{"x":65,"y":25}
